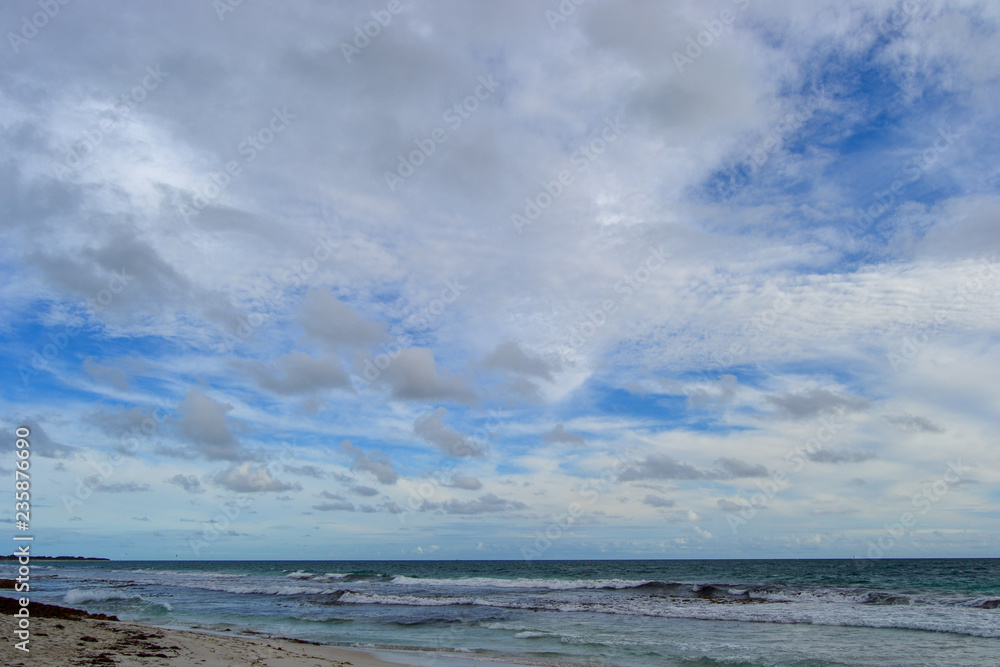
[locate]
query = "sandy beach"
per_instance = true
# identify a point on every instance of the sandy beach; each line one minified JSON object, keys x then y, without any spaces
{"x":86,"y":641}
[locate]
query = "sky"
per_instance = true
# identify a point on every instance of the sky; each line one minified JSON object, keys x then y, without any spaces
{"x":518,"y":280}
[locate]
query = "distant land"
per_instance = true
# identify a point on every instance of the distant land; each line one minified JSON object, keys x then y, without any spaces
{"x":13,"y":557}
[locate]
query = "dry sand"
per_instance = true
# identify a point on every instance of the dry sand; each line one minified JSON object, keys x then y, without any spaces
{"x":67,"y":642}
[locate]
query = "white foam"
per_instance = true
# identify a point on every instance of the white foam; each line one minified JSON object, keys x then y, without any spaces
{"x":76,"y":596}
{"x":548,"y":584}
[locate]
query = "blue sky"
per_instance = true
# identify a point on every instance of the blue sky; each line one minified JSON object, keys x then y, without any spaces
{"x":659,"y":280}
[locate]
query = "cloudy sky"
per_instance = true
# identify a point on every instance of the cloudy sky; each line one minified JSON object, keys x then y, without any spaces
{"x":502,"y":280}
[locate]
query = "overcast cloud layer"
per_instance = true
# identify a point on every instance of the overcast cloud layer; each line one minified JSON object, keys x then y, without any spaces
{"x":503,"y":280}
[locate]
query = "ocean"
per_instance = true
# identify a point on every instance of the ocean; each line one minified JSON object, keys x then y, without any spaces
{"x":624,"y":613}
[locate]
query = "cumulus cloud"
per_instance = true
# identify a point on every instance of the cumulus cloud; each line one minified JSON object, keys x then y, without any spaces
{"x":825,"y":455}
{"x":430,"y":427}
{"x":129,"y":427}
{"x":657,"y":501}
{"x":335,"y":324}
{"x":679,"y":516}
{"x":559,"y":435}
{"x":414,"y":375}
{"x":467,"y":483}
{"x":376,"y":463}
{"x":189,"y":483}
{"x":202,"y":422}
{"x":42,"y":444}
{"x":306,"y":471}
{"x":364,"y":490}
{"x":335,"y":506}
{"x":485,"y":504}
{"x":661,"y":466}
{"x":913,"y":424}
{"x":116,"y":376}
{"x":508,"y":356}
{"x":814,"y":402}
{"x":298,"y":373}
{"x":729,"y":505}
{"x":248,"y":478}
{"x":737,"y":468}
{"x":122,"y":487}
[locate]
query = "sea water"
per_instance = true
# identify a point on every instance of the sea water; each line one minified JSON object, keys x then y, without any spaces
{"x":626,"y":613}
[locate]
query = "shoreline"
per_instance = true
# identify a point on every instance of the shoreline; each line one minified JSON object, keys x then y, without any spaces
{"x":64,"y":635}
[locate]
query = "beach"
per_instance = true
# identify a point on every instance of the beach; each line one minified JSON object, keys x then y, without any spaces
{"x":57,"y":642}
{"x":935,"y":612}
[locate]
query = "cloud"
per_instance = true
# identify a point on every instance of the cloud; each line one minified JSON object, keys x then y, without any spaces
{"x":467,"y":483}
{"x":298,"y":373}
{"x":413,"y":376}
{"x":485,"y":504}
{"x":116,"y":376}
{"x":680,"y":516}
{"x":834,"y":511}
{"x":657,"y":501}
{"x":42,"y":444}
{"x":340,"y":505}
{"x":364,"y":490}
{"x":722,"y":391}
{"x":202,"y":422}
{"x":661,"y":466}
{"x":376,"y":463}
{"x":248,"y":478}
{"x":189,"y":483}
{"x":737,"y":468}
{"x":430,"y":427}
{"x":814,"y":402}
{"x":509,"y":356}
{"x":130,"y":427}
{"x":559,"y":435}
{"x":122,"y":487}
{"x":306,"y":471}
{"x":913,"y":424}
{"x":333,"y":323}
{"x":839,"y":456}
{"x":730,"y":506}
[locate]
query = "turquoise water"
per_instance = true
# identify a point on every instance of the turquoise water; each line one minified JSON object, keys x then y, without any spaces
{"x":625,"y":613}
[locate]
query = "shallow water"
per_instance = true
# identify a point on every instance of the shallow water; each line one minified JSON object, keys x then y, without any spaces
{"x":627,"y":613}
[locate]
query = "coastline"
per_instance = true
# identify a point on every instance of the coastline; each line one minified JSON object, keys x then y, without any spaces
{"x":64,"y":635}
{"x":59,"y":642}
